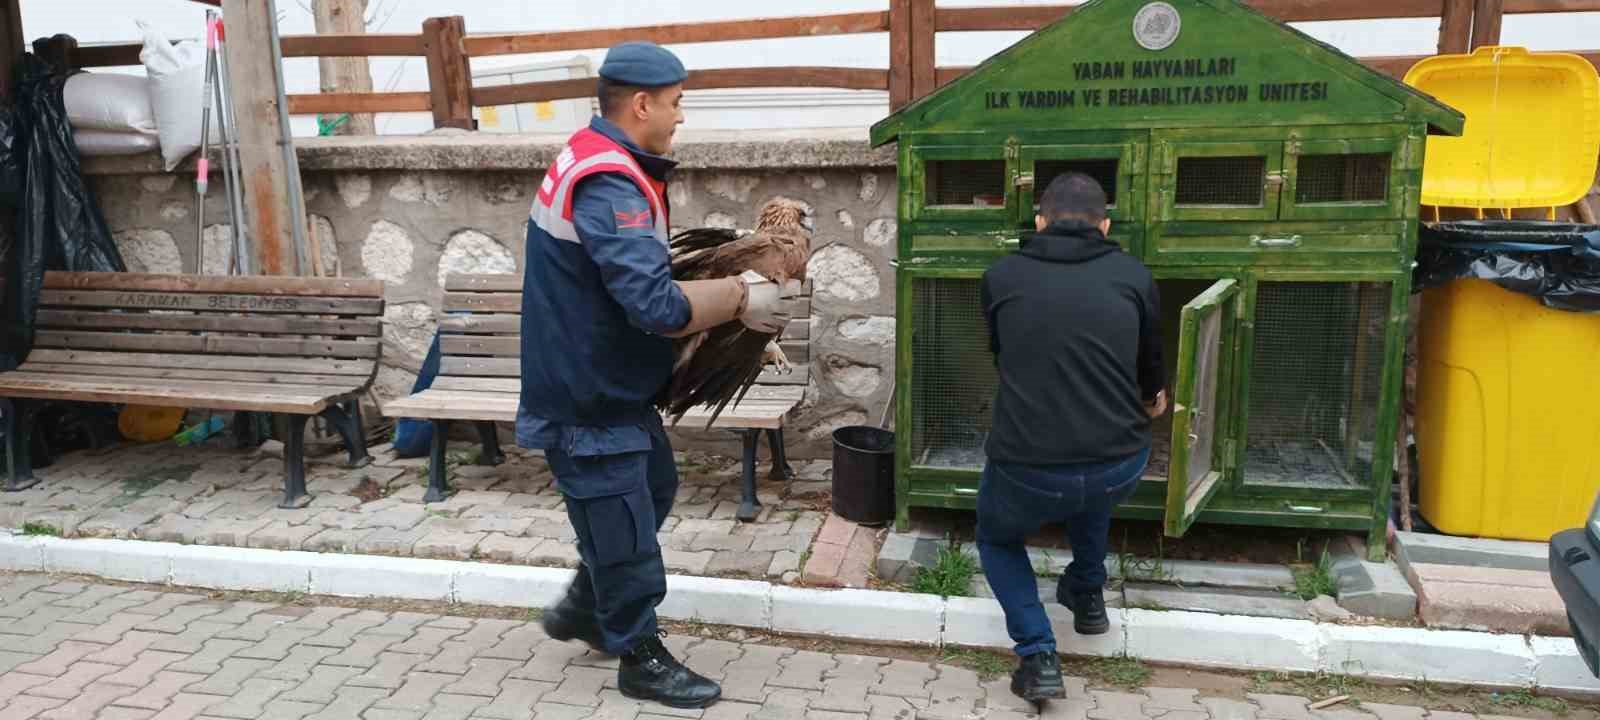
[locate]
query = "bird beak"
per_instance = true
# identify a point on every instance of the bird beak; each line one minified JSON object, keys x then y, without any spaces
{"x":808,"y":222}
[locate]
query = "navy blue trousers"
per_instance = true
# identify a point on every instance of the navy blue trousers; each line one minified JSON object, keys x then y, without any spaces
{"x":1015,"y":501}
{"x":616,"y":504}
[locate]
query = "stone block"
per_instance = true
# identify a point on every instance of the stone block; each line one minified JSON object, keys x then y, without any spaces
{"x":740,"y":563}
{"x":112,"y":559}
{"x":1201,"y":639}
{"x":719,"y":601}
{"x":822,"y":568}
{"x":506,"y":549}
{"x":683,"y":561}
{"x":509,"y":585}
{"x":21,"y":553}
{"x":1415,"y":547}
{"x":858,"y":614}
{"x":231,"y":568}
{"x":1413,"y":654}
{"x":1219,"y":600}
{"x":1562,"y":669}
{"x":1374,"y":589}
{"x":376,"y":576}
{"x":975,"y":622}
{"x":1490,"y":599}
{"x":1114,"y":642}
{"x":894,"y":558}
{"x":280,"y":535}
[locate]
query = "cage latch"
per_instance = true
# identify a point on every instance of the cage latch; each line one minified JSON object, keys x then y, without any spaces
{"x":1293,"y":241}
{"x":1025,"y":179}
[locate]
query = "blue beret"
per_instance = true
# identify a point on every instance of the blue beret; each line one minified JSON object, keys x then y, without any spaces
{"x":644,"y":64}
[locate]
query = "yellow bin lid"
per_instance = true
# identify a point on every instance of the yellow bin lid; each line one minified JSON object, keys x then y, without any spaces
{"x":1532,"y":136}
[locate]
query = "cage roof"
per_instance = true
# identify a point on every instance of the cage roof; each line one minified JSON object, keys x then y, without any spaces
{"x":1167,"y":63}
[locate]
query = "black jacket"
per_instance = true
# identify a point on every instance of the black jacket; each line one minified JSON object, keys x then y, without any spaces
{"x":1074,"y":323}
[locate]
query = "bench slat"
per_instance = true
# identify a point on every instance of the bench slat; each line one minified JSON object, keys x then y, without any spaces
{"x":362,"y":368}
{"x":211,"y":302}
{"x":195,"y":386}
{"x":247,"y":284}
{"x":482,"y":282}
{"x":480,"y":345}
{"x":483,"y":302}
{"x":483,"y":324}
{"x":478,"y":384}
{"x":206,"y":344}
{"x":242,"y":397}
{"x":480,"y":367}
{"x":91,"y":320}
{"x":799,"y":376}
{"x":267,"y":378}
{"x":454,"y":405}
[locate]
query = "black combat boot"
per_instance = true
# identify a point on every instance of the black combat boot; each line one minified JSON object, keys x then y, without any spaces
{"x":1088,"y":612}
{"x":1038,"y":677}
{"x":569,"y":619}
{"x":649,"y":672}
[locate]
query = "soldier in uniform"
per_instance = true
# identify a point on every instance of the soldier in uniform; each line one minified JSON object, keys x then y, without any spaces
{"x":599,"y":312}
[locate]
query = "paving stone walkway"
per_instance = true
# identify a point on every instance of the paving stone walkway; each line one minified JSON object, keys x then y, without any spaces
{"x":211,"y":495}
{"x":72,"y":650}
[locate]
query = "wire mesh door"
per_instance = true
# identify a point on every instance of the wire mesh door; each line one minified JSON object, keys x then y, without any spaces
{"x":953,"y":377}
{"x":1316,"y":379}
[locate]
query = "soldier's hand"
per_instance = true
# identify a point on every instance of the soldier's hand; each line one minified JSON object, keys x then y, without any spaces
{"x":768,"y":306}
{"x":1157,"y":407}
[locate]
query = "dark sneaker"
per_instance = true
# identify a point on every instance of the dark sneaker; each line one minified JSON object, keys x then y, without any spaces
{"x":649,"y":672}
{"x":566,"y":621}
{"x":1038,"y":677}
{"x":1089,"y":614}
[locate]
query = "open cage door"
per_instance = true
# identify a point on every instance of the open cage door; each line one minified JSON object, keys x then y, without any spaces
{"x":1205,"y":344}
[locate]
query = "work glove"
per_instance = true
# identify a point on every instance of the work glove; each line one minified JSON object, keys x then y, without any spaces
{"x":768,"y":306}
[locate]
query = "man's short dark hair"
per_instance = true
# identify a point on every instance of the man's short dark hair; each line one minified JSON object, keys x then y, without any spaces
{"x":1073,"y":196}
{"x":614,"y":97}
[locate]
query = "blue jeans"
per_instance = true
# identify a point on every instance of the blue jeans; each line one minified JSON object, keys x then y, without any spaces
{"x":616,"y":504}
{"x":1015,"y":500}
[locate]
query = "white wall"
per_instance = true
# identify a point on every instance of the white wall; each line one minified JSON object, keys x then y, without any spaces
{"x":113,"y":21}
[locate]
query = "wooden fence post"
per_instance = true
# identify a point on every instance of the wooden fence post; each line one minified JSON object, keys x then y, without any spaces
{"x":449,"y":72}
{"x":900,"y":63}
{"x":262,"y":165}
{"x":1486,"y":19}
{"x":1455,"y":27}
{"x":924,"y":75}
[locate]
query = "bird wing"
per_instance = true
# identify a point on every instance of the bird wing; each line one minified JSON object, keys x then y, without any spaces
{"x":716,"y":367}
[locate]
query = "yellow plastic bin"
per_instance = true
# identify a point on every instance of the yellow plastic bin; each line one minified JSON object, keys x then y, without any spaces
{"x":1508,"y":413}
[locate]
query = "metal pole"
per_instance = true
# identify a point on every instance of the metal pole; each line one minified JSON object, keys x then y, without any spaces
{"x":290,"y":160}
{"x":203,"y":171}
{"x":230,"y":158}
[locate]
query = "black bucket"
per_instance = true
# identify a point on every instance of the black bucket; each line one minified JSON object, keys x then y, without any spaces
{"x":863,"y":474}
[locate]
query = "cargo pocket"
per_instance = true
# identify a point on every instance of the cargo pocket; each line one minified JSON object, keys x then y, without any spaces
{"x":609,"y":502}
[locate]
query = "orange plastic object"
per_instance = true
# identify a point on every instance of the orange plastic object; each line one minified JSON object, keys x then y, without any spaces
{"x":1533,"y":128}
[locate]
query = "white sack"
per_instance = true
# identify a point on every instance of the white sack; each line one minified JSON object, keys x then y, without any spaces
{"x":109,"y":101}
{"x":92,"y":143}
{"x":177,"y":93}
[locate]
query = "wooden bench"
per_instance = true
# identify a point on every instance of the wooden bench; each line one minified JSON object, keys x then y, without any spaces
{"x":289,"y":346}
{"x":479,"y":381}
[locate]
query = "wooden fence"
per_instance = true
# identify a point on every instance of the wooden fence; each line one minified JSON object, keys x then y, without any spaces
{"x":913,"y":27}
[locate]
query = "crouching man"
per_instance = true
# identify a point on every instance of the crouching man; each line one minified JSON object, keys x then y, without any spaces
{"x":1074,"y":326}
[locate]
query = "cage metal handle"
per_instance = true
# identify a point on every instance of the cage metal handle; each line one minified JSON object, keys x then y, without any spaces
{"x":1293,"y":241}
{"x":1006,"y":242}
{"x":1304,"y":509}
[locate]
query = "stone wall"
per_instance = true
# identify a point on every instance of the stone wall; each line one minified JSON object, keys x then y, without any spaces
{"x":412,"y":211}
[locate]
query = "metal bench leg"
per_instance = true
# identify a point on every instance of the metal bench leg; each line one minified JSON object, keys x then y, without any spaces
{"x":438,"y":485}
{"x":489,"y":438}
{"x":749,"y":507}
{"x":247,"y":431}
{"x":19,"y":439}
{"x":293,"y":428}
{"x":349,"y":429}
{"x":781,"y":470}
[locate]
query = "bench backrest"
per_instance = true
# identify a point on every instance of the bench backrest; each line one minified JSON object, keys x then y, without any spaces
{"x":309,"y":331}
{"x":482,"y":351}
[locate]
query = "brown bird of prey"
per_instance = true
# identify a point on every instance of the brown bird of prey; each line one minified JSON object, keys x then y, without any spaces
{"x":716,"y":366}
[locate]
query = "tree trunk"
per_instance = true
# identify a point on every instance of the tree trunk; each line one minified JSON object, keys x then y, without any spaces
{"x":344,"y":74}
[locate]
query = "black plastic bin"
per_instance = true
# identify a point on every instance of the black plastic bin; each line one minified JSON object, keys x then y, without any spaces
{"x":863,"y":474}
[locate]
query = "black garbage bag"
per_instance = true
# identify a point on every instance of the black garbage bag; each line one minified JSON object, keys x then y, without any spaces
{"x":1558,"y":263}
{"x":58,"y":225}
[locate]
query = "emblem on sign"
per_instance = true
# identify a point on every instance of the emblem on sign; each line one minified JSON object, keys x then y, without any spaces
{"x":1156,"y":26}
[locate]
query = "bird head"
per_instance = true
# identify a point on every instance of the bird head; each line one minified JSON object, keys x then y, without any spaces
{"x":784,"y":214}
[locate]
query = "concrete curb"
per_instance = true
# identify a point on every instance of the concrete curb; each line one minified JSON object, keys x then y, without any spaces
{"x":1183,"y":638}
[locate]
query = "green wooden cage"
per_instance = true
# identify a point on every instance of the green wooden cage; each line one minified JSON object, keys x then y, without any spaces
{"x":1270,"y":183}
